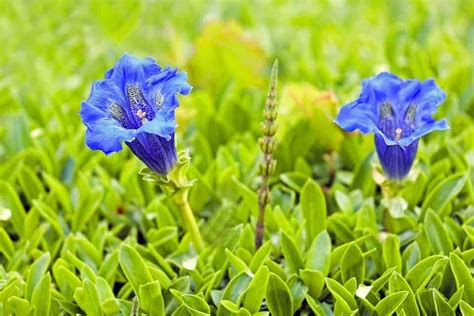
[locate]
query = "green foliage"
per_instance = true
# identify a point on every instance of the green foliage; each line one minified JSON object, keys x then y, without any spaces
{"x":81,"y":233}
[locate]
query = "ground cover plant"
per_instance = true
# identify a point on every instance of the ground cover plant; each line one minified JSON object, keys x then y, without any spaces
{"x":274,"y":202}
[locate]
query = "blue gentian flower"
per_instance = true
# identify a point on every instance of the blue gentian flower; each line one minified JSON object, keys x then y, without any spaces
{"x":398,"y":112}
{"x":136,"y":103}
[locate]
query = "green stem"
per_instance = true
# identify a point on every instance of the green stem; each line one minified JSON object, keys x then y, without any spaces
{"x":187,"y":215}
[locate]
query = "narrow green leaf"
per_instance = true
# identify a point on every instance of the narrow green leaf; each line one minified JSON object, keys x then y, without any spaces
{"x":456,"y":297}
{"x":36,"y":272}
{"x":319,"y":253}
{"x":278,"y":297}
{"x":437,"y":235}
{"x":41,"y":297}
{"x":291,"y":253}
{"x":6,"y":246}
{"x":134,"y":267}
{"x":390,"y":303}
{"x":342,"y":295}
{"x":398,"y":284}
{"x":66,"y":280}
{"x":463,"y":277}
{"x":421,"y":273}
{"x":10,"y":200}
{"x":260,"y":256}
{"x":19,"y":305}
{"x":466,"y":309}
{"x":391,"y":252}
{"x":151,"y":299}
{"x":238,"y":263}
{"x":314,"y":280}
{"x":88,"y":298}
{"x":443,"y":193}
{"x":442,"y":306}
{"x":228,"y":308}
{"x":256,"y":290}
{"x":353,"y":264}
{"x":313,"y":205}
{"x":236,"y":287}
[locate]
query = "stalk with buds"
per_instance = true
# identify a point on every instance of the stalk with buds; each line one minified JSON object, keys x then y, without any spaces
{"x":267,"y":145}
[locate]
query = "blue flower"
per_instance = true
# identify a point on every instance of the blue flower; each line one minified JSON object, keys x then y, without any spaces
{"x":398,"y":112}
{"x":136,"y":103}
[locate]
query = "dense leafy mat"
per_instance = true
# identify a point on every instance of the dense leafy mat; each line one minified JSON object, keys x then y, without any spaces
{"x":82,"y":233}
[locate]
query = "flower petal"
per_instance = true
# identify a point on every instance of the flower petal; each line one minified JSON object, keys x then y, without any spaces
{"x":357,"y":115}
{"x":107,"y":135}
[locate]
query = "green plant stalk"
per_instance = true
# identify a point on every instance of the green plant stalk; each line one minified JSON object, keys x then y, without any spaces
{"x":187,"y":215}
{"x":177,"y":185}
{"x":267,"y":145}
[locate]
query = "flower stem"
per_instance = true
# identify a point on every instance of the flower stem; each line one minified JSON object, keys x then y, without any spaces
{"x":189,"y":221}
{"x":267,"y":145}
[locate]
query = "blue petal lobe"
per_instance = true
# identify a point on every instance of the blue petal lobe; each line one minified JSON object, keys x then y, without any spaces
{"x":396,"y":160}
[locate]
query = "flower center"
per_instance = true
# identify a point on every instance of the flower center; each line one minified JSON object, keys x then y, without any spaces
{"x":138,"y":105}
{"x":398,"y":133}
{"x":142,"y":116}
{"x":397,"y":125}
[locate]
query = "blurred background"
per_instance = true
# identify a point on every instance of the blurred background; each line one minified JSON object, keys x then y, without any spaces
{"x":52,"y":51}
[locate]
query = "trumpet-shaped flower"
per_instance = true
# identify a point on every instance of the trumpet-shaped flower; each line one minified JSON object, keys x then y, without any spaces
{"x":398,"y":112}
{"x":135,"y":104}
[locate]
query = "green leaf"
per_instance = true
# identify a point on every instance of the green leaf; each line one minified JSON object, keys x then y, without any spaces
{"x":421,"y":273}
{"x":67,"y":281}
{"x":463,"y":277}
{"x":298,"y":291}
{"x":314,"y":280}
{"x":342,"y":295}
{"x":19,"y":306}
{"x":238,"y":263}
{"x":194,"y":303}
{"x":390,"y":303}
{"x":236,"y":287}
{"x":41,"y":297}
{"x":151,"y":299}
{"x":466,"y":309}
{"x":230,"y":308}
{"x":30,"y":183}
{"x":134,"y":267}
{"x":353,"y":264}
{"x":398,"y":284}
{"x":456,"y":297}
{"x":443,"y":193}
{"x":291,"y":253}
{"x":391,"y":252}
{"x":278,"y":297}
{"x":6,"y":246}
{"x":256,"y":290}
{"x":260,"y":256}
{"x":437,"y":235}
{"x":10,"y":200}
{"x":442,"y":306}
{"x":319,"y":253}
{"x":344,"y":202}
{"x":313,"y":205}
{"x":88,"y":298}
{"x":36,"y":272}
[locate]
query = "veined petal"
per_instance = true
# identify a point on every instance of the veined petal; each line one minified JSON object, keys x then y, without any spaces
{"x":162,"y":125}
{"x":160,"y":89}
{"x":158,"y":153}
{"x":357,"y":115}
{"x":423,"y":130}
{"x":107,"y":136}
{"x":127,"y":70}
{"x":395,"y":159}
